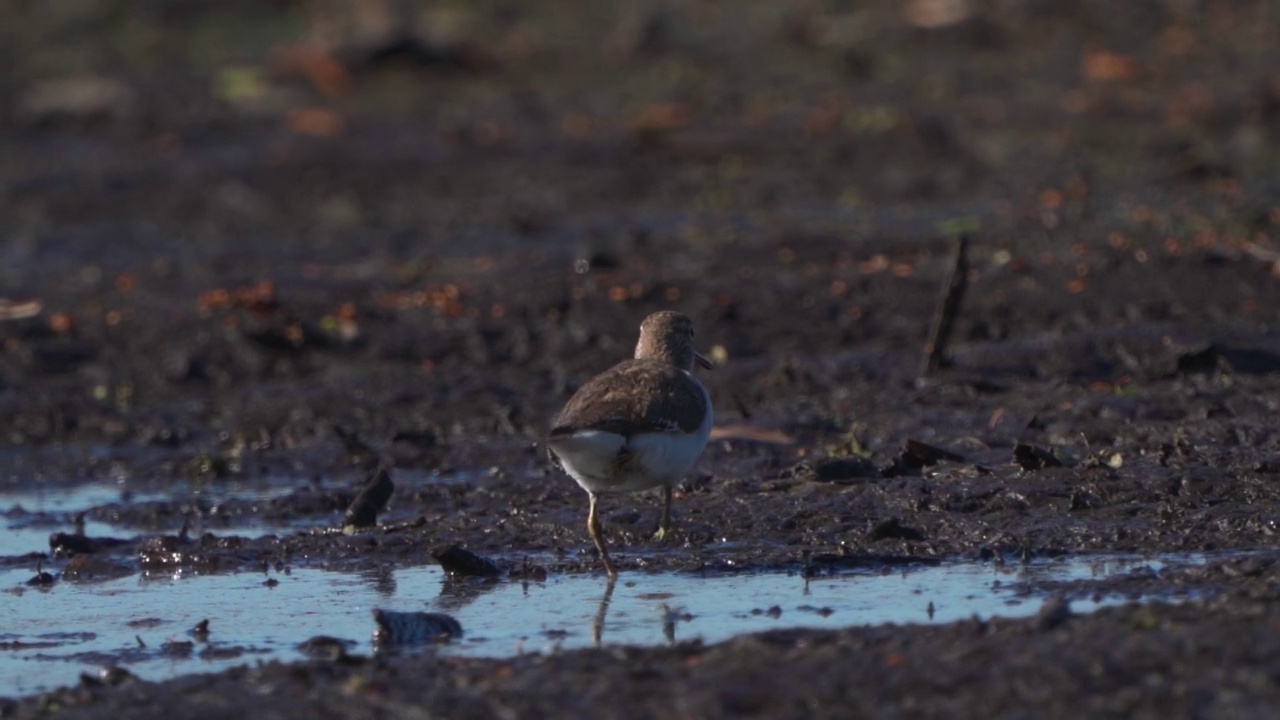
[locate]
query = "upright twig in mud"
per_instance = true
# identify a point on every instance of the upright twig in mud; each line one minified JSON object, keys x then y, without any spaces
{"x":948,"y":307}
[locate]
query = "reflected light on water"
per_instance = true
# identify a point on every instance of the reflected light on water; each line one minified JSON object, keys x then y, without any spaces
{"x":143,"y":624}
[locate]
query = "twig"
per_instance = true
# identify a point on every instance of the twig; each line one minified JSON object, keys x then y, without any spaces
{"x":948,"y":308}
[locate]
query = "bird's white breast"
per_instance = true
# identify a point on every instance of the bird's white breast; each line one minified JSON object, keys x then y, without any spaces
{"x":658,"y":458}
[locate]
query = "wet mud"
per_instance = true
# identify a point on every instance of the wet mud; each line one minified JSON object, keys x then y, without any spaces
{"x":316,"y":308}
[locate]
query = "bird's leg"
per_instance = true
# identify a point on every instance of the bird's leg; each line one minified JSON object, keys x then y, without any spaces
{"x":664,"y":525}
{"x":593,"y":526}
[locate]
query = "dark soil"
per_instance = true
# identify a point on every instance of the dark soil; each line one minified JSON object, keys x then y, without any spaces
{"x":262,"y":253}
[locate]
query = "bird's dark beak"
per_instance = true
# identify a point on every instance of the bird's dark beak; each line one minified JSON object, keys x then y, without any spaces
{"x":703,"y":361}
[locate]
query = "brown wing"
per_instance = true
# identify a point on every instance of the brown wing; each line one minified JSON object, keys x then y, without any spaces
{"x":635,"y":396}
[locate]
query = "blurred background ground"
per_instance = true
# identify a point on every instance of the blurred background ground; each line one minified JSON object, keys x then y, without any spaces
{"x":195,"y":190}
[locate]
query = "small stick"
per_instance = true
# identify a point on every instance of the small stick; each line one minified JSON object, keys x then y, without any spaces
{"x":948,"y":307}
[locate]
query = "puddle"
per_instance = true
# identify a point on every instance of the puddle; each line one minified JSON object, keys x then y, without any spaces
{"x":29,"y":517}
{"x":53,"y":635}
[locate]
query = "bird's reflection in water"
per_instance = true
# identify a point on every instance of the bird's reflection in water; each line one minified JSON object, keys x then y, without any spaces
{"x":670,"y":618}
{"x":597,"y":625}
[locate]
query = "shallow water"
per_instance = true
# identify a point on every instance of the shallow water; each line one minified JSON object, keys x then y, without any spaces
{"x":143,"y":622}
{"x":30,"y":516}
{"x":53,"y":635}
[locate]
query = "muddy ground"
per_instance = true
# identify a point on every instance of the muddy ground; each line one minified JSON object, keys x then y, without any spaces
{"x":234,"y":233}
